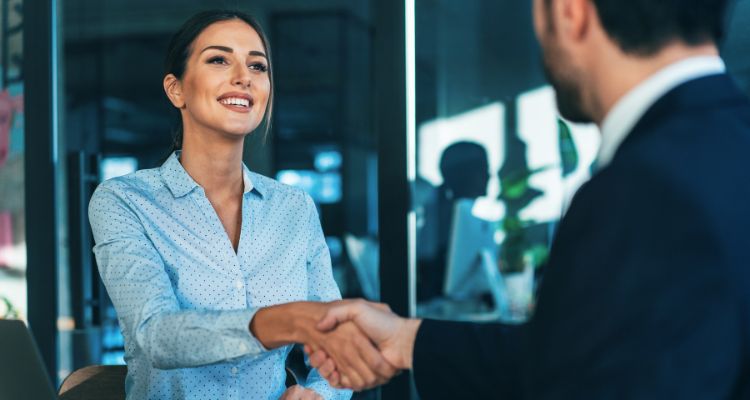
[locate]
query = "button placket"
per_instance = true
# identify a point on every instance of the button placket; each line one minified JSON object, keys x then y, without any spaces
{"x":213,"y":220}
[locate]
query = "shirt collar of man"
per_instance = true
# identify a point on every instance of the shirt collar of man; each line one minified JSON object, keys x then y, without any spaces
{"x":630,"y":108}
{"x":181,"y":183}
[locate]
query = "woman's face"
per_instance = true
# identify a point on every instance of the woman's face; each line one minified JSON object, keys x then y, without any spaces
{"x":226,"y":85}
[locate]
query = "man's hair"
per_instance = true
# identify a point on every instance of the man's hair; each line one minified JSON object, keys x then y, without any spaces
{"x":644,"y":27}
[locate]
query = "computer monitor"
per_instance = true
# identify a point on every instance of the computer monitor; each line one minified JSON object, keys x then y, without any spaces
{"x":22,"y":373}
{"x":364,"y":255}
{"x":471,"y":264}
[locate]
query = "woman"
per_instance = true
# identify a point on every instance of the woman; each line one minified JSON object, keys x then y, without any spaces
{"x":191,"y":250}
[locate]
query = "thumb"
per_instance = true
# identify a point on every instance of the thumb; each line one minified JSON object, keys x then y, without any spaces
{"x":329,"y":321}
{"x":334,"y":316}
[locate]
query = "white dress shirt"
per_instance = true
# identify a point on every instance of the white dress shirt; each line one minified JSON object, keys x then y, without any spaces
{"x":630,"y":108}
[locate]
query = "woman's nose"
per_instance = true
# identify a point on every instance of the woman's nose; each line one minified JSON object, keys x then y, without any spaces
{"x":242,"y":77}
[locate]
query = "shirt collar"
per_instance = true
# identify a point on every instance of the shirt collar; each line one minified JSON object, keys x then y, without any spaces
{"x":181,"y":183}
{"x":630,"y":108}
{"x":250,"y":184}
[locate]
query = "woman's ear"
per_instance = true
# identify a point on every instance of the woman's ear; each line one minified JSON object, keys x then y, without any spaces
{"x":173,"y":89}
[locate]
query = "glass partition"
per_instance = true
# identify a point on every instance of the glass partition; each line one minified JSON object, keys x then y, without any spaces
{"x":496,"y":166}
{"x":12,"y":209}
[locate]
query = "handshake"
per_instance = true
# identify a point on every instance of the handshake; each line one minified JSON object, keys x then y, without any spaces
{"x":354,"y":344}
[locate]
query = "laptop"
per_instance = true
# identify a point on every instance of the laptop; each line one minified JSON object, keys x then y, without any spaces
{"x":22,"y":372}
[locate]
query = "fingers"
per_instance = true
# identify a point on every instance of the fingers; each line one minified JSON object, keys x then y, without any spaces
{"x":317,"y":358}
{"x":359,"y":373}
{"x":379,"y":365}
{"x":374,"y":369}
{"x":350,"y":376}
{"x":290,"y":393}
{"x":325,"y":366}
{"x":298,"y":392}
{"x":361,"y":366}
{"x":335,"y":380}
{"x":341,"y":354}
{"x":327,"y":369}
{"x":380,"y":306}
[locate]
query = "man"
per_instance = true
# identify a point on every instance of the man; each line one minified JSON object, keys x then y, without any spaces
{"x":646,"y":292}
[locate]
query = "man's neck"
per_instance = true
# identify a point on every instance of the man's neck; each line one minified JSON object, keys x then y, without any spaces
{"x":617,"y":75}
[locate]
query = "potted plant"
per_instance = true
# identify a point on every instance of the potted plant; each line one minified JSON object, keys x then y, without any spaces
{"x":7,"y":310}
{"x":521,"y":254}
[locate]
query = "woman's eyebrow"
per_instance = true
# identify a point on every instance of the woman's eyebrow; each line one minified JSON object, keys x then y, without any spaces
{"x":229,"y":50}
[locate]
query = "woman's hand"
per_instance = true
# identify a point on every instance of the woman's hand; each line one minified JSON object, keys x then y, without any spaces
{"x":298,"y":392}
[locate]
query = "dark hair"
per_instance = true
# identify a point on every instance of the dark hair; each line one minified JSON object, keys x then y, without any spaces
{"x":644,"y":27}
{"x":181,"y":46}
{"x":463,"y":166}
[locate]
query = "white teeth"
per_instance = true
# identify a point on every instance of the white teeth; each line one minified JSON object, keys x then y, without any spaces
{"x":236,"y":101}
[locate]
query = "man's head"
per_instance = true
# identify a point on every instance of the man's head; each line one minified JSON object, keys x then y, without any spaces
{"x":465,"y":170}
{"x":576,"y":34}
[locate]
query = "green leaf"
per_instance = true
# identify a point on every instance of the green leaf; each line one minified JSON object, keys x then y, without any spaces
{"x":568,"y":151}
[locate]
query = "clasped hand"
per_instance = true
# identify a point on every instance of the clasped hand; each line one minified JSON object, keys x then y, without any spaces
{"x":360,"y":344}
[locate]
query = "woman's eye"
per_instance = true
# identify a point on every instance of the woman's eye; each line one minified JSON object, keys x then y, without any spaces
{"x":258,"y":67}
{"x":217,"y":60}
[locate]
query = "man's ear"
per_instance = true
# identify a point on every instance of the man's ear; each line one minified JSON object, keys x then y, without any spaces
{"x":173,"y":89}
{"x":574,"y":17}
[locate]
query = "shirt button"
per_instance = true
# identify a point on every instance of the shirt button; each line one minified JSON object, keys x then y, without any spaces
{"x":235,"y":370}
{"x":243,"y":347}
{"x":238,"y":284}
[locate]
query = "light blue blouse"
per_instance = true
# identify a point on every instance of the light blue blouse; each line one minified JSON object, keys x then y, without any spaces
{"x":184,"y":298}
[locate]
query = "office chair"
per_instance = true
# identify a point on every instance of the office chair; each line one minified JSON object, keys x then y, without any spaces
{"x":107,"y":382}
{"x":104,"y":382}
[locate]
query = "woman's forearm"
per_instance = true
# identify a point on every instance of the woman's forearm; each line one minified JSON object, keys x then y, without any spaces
{"x":284,"y":324}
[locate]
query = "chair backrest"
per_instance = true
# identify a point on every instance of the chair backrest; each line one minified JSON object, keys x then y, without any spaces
{"x":101,"y":382}
{"x":107,"y":382}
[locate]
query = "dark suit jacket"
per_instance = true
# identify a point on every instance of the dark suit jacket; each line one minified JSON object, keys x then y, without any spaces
{"x":647,"y":288}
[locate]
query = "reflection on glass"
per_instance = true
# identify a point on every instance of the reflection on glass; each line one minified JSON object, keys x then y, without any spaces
{"x":12,"y":221}
{"x":483,"y":126}
{"x":112,"y":167}
{"x":495,"y":165}
{"x":324,"y":188}
{"x":328,"y":161}
{"x":537,"y":126}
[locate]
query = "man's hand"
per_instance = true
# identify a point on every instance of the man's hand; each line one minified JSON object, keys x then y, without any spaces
{"x":394,"y":336}
{"x":298,"y":392}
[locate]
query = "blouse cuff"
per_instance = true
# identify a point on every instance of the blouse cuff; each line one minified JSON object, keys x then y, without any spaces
{"x":241,"y":341}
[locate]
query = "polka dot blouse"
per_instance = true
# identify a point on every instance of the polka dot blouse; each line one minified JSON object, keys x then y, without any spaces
{"x":184,"y":298}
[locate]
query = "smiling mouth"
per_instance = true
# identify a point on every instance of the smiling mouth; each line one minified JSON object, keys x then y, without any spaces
{"x":235,"y":102}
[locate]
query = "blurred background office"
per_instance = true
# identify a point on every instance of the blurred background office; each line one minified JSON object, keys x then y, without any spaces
{"x":423,"y":130}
